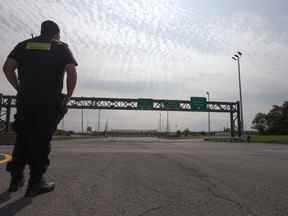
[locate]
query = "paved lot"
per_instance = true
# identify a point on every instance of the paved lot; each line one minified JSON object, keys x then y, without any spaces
{"x":147,"y":176}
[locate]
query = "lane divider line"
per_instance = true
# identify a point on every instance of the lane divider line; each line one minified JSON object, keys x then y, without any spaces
{"x":6,"y":159}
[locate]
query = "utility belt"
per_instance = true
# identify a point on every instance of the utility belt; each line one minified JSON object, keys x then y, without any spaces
{"x":61,"y":109}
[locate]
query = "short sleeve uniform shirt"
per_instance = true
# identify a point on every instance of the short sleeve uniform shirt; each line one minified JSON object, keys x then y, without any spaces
{"x":41,"y":67}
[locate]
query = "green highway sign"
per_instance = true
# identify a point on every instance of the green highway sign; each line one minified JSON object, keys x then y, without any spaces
{"x":171,"y":104}
{"x":198,"y":103}
{"x":145,"y":104}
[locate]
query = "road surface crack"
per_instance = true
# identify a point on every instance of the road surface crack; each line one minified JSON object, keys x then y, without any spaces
{"x":106,"y":168}
{"x":212,"y":187}
{"x":149,"y":210}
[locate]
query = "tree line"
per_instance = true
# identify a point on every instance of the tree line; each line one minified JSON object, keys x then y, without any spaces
{"x":274,"y":122}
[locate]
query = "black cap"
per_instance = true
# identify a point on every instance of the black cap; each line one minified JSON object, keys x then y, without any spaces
{"x":49,"y":28}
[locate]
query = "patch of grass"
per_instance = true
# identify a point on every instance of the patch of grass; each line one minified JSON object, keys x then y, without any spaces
{"x":281,"y":139}
{"x":225,"y":139}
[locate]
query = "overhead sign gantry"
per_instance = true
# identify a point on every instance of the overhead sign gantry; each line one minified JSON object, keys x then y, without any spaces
{"x":195,"y":104}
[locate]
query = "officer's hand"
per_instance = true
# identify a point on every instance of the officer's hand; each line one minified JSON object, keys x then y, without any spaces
{"x":66,"y":100}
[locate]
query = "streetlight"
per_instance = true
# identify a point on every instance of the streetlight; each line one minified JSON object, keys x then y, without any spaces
{"x":209,"y":126}
{"x":237,"y":57}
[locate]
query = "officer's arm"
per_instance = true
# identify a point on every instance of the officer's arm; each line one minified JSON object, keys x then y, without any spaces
{"x":71,"y":79}
{"x":9,"y":69}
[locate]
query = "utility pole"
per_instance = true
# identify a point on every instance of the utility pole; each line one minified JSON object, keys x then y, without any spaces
{"x":82,"y":123}
{"x":163,"y":123}
{"x":99,"y":119}
{"x":87,"y":126}
{"x":160,"y":122}
{"x":106,"y":125}
{"x":167,"y":123}
{"x":209,"y":119}
{"x":63,"y":123}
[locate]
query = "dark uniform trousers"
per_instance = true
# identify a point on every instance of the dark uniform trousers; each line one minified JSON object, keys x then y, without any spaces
{"x":34,"y":126}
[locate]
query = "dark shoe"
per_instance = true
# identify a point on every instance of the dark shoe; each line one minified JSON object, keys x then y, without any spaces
{"x":16,"y":183}
{"x":40,"y":187}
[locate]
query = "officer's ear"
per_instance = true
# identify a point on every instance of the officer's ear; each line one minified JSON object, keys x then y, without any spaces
{"x":57,"y":36}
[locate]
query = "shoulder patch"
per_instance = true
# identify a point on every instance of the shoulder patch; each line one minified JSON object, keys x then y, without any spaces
{"x":44,"y":46}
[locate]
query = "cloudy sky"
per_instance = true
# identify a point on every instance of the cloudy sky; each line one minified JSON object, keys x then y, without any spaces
{"x":170,"y":49}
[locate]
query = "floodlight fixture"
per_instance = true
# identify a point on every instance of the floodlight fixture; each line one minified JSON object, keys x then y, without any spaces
{"x":236,"y":57}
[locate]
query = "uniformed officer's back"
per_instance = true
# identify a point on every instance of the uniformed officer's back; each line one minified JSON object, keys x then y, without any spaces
{"x":41,"y":69}
{"x":40,"y":63}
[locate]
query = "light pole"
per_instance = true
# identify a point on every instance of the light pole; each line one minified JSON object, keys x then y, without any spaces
{"x":82,"y":123}
{"x":160,"y":122}
{"x":209,"y":121}
{"x":99,"y":119}
{"x":237,"y":57}
{"x":167,"y":123}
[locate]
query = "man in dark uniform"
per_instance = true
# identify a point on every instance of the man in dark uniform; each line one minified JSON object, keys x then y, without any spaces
{"x":41,"y":63}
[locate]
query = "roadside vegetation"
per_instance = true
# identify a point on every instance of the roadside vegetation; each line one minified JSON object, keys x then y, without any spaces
{"x":281,"y":139}
{"x":273,"y":126}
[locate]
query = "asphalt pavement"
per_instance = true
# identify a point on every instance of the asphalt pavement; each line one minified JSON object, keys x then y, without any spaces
{"x":157,"y":177}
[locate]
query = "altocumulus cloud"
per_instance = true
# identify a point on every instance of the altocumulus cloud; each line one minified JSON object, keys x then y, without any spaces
{"x":164,"y":48}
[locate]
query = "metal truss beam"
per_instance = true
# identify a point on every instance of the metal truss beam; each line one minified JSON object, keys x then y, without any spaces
{"x":132,"y":104}
{"x":7,"y":102}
